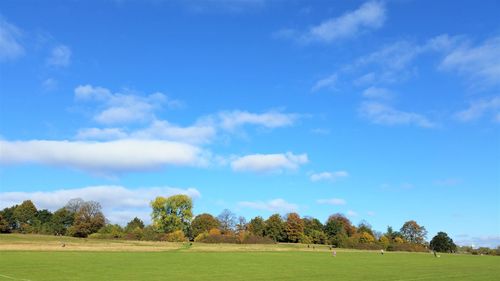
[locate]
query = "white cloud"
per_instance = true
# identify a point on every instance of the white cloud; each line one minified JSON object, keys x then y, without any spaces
{"x":198,"y":133}
{"x":480,"y":64}
{"x":377,"y":93}
{"x":49,"y":84}
{"x":479,"y":108}
{"x":269,"y":162}
{"x":60,"y":56}
{"x":491,"y":241}
{"x":332,"y":201}
{"x":101,"y":157}
{"x":369,"y":16}
{"x":101,"y":134}
{"x":230,"y":120}
{"x":328,"y":176}
{"x":158,"y":130}
{"x":120,"y":204}
{"x":121,"y":108}
{"x":379,"y":113}
{"x":371,"y":213}
{"x":277,"y":205}
{"x":352,"y":213}
{"x":328,"y":82}
{"x":10,"y":47}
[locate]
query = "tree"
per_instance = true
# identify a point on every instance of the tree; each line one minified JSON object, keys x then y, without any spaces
{"x":242,"y":225}
{"x":74,"y":205}
{"x":133,"y":224}
{"x":275,"y":228}
{"x":339,"y":224}
{"x":413,"y":232}
{"x":172,"y":213}
{"x":4,"y":225}
{"x":8,"y":216}
{"x":294,"y":227}
{"x":88,"y":219}
{"x":203,"y":223}
{"x":364,"y":226}
{"x":443,"y":243}
{"x":25,"y":215}
{"x":61,"y":220}
{"x":227,"y":221}
{"x":365,"y":237}
{"x":257,"y":226}
{"x":311,"y":225}
{"x":44,"y":216}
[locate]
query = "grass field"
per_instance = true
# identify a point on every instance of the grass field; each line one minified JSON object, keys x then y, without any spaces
{"x":103,"y":260}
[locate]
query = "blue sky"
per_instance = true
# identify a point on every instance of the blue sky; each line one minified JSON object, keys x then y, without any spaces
{"x":385,"y":111}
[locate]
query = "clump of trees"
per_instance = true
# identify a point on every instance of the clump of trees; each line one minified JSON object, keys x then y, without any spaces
{"x":173,"y":220}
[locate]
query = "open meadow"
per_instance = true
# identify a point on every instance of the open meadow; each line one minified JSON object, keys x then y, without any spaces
{"x":33,"y":257}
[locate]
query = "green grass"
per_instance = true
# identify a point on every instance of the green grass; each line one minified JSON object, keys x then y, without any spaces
{"x":187,"y":263}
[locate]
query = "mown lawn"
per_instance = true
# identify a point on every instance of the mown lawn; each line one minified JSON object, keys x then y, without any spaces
{"x":290,"y":265}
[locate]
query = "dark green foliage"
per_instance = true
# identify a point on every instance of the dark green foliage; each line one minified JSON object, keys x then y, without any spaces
{"x":275,"y":228}
{"x":257,"y":226}
{"x":133,"y":224}
{"x":443,"y":243}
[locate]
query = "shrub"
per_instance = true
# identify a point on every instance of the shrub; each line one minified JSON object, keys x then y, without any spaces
{"x":176,"y":236}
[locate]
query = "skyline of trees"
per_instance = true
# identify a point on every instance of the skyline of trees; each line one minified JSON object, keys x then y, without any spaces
{"x":173,"y":220}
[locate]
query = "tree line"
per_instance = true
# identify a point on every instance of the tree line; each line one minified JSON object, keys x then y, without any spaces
{"x":173,"y":220}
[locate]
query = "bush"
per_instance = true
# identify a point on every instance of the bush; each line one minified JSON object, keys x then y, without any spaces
{"x":407,"y":247}
{"x":176,"y":236}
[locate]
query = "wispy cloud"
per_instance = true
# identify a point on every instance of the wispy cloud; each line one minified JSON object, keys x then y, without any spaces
{"x":352,"y":213}
{"x":479,"y":108}
{"x":10,"y":37}
{"x":332,"y":201}
{"x":101,"y":134}
{"x":230,"y":120}
{"x":479,"y":241}
{"x":480,"y":64}
{"x":328,"y":176}
{"x":269,"y":162}
{"x":120,"y":204}
{"x":277,"y":205}
{"x":326,"y":83}
{"x":377,"y":93}
{"x":383,"y":114}
{"x":102,"y":157}
{"x":369,"y":16}
{"x":60,"y":56}
{"x":118,"y":108}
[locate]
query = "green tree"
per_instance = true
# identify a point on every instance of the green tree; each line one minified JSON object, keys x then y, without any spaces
{"x":88,"y":219}
{"x":133,"y":224}
{"x":413,"y":232}
{"x":4,"y":225}
{"x":275,"y":228}
{"x":443,"y":243}
{"x":203,"y":223}
{"x":25,"y":216}
{"x":172,"y":213}
{"x":312,"y":224}
{"x":257,"y":226}
{"x":44,"y":216}
{"x":294,"y":227}
{"x":61,"y":220}
{"x":8,"y":215}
